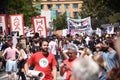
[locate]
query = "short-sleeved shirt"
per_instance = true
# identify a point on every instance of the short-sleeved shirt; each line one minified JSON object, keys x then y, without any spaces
{"x":11,"y":53}
{"x":111,"y":59}
{"x":43,"y":63}
{"x":69,"y":63}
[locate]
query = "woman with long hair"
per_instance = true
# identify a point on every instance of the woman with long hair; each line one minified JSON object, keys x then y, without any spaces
{"x":21,"y":62}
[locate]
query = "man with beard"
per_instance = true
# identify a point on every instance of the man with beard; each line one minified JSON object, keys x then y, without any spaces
{"x":44,"y":61}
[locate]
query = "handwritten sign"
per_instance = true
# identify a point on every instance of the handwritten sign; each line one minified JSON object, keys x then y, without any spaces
{"x":17,"y":23}
{"x":39,"y":25}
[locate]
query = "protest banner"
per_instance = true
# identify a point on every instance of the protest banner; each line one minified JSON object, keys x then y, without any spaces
{"x":39,"y":25}
{"x":80,"y":25}
{"x":17,"y":23}
{"x":3,"y":24}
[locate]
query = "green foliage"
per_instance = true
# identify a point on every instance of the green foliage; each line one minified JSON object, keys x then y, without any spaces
{"x":21,"y":7}
{"x":97,"y":10}
{"x":114,"y":18}
{"x":101,"y":11}
{"x":114,"y":5}
{"x":60,"y":22}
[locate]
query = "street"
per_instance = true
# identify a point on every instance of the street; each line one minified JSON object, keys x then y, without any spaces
{"x":3,"y":76}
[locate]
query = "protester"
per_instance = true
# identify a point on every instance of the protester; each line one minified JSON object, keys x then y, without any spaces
{"x":66,"y":66}
{"x":44,"y":61}
{"x":114,"y":73}
{"x":109,"y":54}
{"x":53,"y":48}
{"x":97,"y":50}
{"x":21,"y":62}
{"x":102,"y":65}
{"x":10,"y":55}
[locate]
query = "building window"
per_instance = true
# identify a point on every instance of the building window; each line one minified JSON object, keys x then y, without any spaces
{"x":58,"y":6}
{"x":58,"y":13}
{"x":75,"y":14}
{"x":75,"y":5}
{"x":67,"y":6}
{"x":42,"y":6}
{"x":49,"y":0}
{"x":49,"y":6}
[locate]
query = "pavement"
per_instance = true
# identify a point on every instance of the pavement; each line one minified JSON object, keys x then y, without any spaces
{"x":4,"y":76}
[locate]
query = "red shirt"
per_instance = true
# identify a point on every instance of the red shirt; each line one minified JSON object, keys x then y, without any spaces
{"x":43,"y":63}
{"x":69,"y":64}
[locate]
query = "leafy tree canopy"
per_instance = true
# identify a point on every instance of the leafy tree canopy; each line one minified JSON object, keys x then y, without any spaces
{"x":60,"y":22}
{"x":101,"y":11}
{"x":19,"y":7}
{"x":97,"y":10}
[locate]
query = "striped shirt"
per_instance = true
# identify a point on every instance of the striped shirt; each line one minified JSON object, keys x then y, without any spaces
{"x":110,"y":58}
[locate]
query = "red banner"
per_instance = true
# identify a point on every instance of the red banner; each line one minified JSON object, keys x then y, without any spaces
{"x":17,"y":23}
{"x":3,"y":24}
{"x":39,"y":25}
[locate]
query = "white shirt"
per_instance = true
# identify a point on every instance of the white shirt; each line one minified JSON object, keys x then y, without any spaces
{"x":53,"y":47}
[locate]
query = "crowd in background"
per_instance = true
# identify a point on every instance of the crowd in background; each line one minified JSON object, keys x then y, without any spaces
{"x":82,"y":57}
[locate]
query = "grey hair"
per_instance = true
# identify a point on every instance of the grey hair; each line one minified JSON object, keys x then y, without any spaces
{"x":85,"y":69}
{"x":72,"y":47}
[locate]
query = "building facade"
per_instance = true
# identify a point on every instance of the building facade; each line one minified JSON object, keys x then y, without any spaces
{"x":71,"y":7}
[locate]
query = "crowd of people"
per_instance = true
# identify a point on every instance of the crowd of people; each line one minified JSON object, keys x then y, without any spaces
{"x":78,"y":57}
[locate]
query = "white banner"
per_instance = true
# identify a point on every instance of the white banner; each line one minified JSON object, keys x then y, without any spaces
{"x":81,"y":25}
{"x":3,"y":24}
{"x":17,"y":23}
{"x":39,"y":25}
{"x":110,"y":30}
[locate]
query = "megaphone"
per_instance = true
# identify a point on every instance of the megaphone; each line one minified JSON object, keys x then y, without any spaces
{"x":37,"y":74}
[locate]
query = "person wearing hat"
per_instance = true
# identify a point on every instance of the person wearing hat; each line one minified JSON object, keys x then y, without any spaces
{"x":66,"y":66}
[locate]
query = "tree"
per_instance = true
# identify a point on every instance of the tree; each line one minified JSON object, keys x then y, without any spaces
{"x":114,"y":5}
{"x":60,"y":22}
{"x":97,"y":10}
{"x":19,"y":7}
